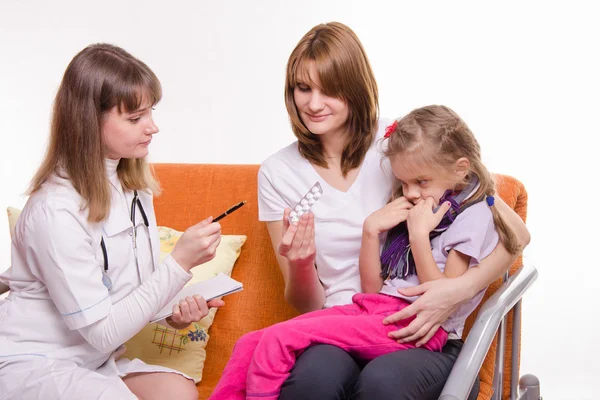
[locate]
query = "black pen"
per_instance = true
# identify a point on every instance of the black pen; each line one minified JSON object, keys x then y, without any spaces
{"x":229,"y":211}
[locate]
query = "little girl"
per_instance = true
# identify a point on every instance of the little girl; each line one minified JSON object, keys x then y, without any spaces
{"x":440,"y":222}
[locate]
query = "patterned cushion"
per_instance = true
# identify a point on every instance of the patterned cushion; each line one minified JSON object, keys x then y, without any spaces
{"x":184,"y":350}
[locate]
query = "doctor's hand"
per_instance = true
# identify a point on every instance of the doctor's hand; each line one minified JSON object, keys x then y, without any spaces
{"x":198,"y":244}
{"x":191,"y":309}
{"x":298,"y":240}
{"x":438,"y":300}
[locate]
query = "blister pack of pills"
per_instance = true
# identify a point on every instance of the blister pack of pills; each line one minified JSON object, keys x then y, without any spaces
{"x":305,"y":204}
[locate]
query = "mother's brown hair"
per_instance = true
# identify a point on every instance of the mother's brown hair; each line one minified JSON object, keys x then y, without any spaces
{"x":345,"y":73}
{"x":100,"y":77}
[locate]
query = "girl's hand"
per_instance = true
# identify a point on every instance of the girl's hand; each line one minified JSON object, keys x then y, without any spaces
{"x":198,"y":244}
{"x":388,"y":216}
{"x":191,"y":309}
{"x":422,"y":220}
{"x":298,"y":240}
{"x":439,"y":299}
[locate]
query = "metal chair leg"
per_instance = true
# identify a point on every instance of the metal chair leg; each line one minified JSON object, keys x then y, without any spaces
{"x":499,"y":368}
{"x":529,"y":388}
{"x":516,"y":344}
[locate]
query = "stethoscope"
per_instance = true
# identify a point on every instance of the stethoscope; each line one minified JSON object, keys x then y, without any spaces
{"x":135,"y":202}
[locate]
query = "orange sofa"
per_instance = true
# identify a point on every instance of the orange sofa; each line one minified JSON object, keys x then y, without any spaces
{"x":191,"y":192}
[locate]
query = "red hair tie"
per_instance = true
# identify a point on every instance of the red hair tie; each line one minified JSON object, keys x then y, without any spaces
{"x":390,"y":129}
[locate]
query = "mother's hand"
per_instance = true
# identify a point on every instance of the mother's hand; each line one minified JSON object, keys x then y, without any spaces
{"x":298,"y":240}
{"x":438,"y":300}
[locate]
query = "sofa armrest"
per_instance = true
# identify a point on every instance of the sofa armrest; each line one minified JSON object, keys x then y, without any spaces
{"x":482,"y":333}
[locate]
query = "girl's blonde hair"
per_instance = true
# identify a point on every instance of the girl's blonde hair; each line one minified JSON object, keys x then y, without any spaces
{"x":436,"y":135}
{"x":345,"y":73}
{"x":100,"y":77}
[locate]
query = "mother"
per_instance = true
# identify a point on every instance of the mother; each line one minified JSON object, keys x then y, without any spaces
{"x":332,"y":100}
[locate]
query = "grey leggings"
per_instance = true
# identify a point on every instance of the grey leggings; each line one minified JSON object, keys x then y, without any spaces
{"x":325,"y":372}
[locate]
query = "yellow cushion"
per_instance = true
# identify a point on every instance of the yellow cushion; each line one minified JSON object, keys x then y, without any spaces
{"x":184,"y":350}
{"x":13,"y":215}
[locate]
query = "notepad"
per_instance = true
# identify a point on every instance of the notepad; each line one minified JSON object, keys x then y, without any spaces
{"x":220,"y":285}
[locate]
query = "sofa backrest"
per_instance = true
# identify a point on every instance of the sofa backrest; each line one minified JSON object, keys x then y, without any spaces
{"x":191,"y":192}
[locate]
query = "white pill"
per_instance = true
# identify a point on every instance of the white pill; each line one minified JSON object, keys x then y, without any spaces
{"x":304,"y":202}
{"x":309,"y":196}
{"x":293,"y":214}
{"x":295,"y":219}
{"x":311,"y":202}
{"x":317,"y":195}
{"x":298,"y":208}
{"x":306,"y":207}
{"x":315,"y":189}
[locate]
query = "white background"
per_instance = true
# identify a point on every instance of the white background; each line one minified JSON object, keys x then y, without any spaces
{"x":524,"y":75}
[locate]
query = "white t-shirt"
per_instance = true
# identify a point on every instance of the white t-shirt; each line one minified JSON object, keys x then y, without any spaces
{"x":286,"y":176}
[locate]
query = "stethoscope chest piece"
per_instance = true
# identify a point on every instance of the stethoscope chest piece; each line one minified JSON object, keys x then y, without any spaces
{"x":106,"y":280}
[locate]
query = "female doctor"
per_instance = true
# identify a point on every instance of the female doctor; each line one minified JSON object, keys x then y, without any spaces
{"x":85,"y":276}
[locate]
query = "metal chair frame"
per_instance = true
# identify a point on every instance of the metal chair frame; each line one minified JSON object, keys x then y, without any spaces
{"x":491,"y":320}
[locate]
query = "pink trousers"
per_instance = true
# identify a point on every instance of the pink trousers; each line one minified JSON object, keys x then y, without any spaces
{"x":262,"y":360}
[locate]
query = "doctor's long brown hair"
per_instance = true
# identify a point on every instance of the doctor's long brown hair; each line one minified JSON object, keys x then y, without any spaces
{"x":100,"y":77}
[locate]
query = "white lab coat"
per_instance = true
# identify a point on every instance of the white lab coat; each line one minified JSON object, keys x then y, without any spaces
{"x":57,"y":288}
